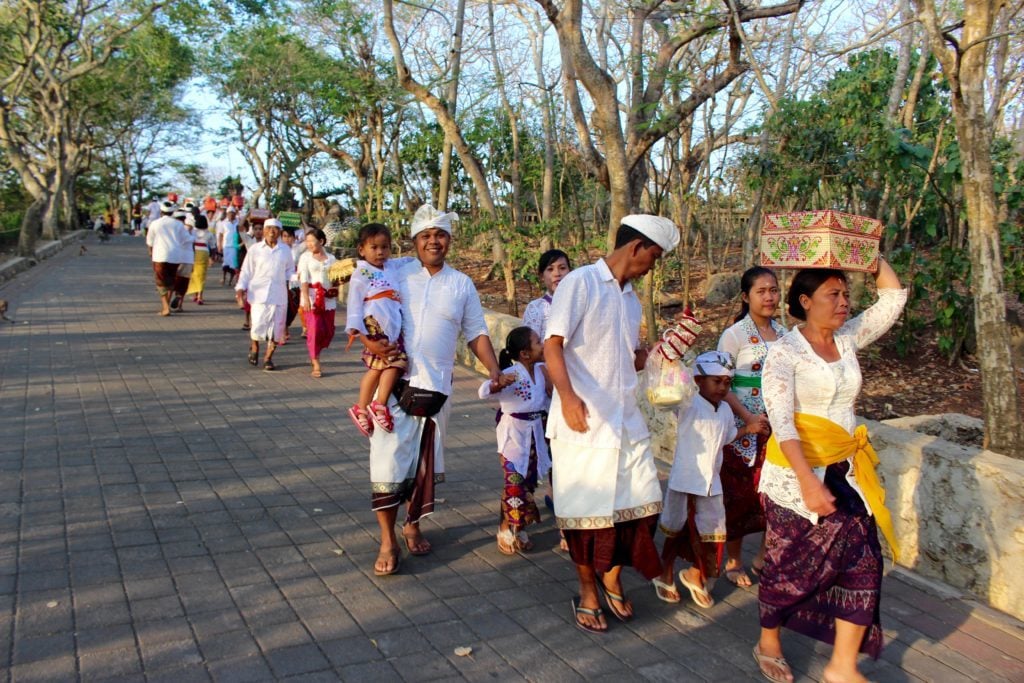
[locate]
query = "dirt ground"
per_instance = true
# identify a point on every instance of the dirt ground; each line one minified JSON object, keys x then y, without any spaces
{"x":921,"y":383}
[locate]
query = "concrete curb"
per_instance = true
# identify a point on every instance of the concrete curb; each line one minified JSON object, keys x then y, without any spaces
{"x":11,"y":267}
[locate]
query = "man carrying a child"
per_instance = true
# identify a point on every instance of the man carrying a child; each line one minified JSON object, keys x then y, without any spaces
{"x":438,"y":302}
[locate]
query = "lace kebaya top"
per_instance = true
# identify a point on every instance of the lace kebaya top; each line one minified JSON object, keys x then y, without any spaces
{"x":796,"y":379}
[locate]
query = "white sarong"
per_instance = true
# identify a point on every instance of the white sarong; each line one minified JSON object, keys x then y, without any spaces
{"x":596,"y":488}
{"x":268,"y":322}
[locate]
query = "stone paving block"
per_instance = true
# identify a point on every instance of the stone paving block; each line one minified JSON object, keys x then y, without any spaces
{"x":101,"y":665}
{"x":369,"y":671}
{"x":300,"y":659}
{"x":353,"y":650}
{"x":228,"y":645}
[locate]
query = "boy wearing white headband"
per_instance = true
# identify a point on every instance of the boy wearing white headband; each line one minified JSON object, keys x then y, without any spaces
{"x":693,"y":517}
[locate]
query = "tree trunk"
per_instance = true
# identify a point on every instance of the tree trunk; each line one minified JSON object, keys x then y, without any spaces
{"x":31,"y":226}
{"x":966,"y":73}
{"x":452,"y":98}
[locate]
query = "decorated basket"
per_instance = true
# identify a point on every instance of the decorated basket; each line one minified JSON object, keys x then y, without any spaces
{"x":290,"y":219}
{"x":820,"y":239}
{"x":341,"y":271}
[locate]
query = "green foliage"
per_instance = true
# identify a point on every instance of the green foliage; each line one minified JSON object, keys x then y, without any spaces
{"x":939,"y":295}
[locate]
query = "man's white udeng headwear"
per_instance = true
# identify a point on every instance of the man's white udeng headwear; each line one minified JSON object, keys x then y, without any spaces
{"x":428,"y":217}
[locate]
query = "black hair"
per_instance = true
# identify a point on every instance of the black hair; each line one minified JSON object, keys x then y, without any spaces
{"x":202,"y":223}
{"x":517,"y":341}
{"x":627,"y":234}
{"x":750,"y":276}
{"x":550,"y":256}
{"x":806,"y":283}
{"x":320,"y":235}
{"x":371,"y":230}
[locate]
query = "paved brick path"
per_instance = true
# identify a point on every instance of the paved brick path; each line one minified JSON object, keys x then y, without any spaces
{"x":168,"y":513}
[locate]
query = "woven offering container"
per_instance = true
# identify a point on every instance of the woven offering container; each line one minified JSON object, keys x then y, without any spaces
{"x":341,"y":271}
{"x":820,"y":239}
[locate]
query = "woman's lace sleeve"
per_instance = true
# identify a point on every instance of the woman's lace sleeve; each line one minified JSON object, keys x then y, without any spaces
{"x":777,"y":385}
{"x":533,"y":317}
{"x":876,"y":320}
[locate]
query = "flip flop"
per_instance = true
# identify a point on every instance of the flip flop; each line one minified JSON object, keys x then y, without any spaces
{"x":780,"y":662}
{"x":396,"y":554}
{"x":524,"y":542}
{"x":735,"y":576}
{"x":697,"y":592}
{"x":661,"y":589}
{"x":610,"y":599}
{"x":254,"y":358}
{"x":412,"y":551}
{"x":576,"y":611}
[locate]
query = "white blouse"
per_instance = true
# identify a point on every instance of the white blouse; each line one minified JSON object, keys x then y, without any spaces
{"x":515,"y":435}
{"x":796,"y":379}
{"x":536,"y":315}
{"x":312,"y":271}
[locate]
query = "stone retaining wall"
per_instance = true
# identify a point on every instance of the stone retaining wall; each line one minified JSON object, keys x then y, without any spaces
{"x":958,"y":511}
{"x":44,"y":250}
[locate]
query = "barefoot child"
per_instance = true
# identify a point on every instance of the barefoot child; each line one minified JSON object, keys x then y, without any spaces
{"x":375,"y":316}
{"x":522,"y":392}
{"x":693,"y":517}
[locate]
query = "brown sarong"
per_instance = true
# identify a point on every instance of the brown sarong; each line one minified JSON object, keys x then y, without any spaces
{"x":164,"y":274}
{"x":626,"y":544}
{"x":419,"y":491}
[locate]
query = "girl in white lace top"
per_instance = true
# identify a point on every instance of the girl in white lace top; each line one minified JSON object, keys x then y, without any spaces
{"x":823,"y":565}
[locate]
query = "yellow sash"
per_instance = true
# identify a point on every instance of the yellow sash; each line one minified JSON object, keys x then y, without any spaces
{"x":824,"y":443}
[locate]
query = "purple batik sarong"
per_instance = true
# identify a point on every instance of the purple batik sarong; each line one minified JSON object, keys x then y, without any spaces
{"x":816,"y":573}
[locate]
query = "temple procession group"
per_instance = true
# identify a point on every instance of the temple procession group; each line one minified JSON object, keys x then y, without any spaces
{"x":767,"y":446}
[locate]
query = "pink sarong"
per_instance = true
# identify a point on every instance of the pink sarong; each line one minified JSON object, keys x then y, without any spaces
{"x":319,"y":330}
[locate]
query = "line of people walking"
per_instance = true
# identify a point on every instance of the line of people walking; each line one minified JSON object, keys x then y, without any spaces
{"x":768,"y":445}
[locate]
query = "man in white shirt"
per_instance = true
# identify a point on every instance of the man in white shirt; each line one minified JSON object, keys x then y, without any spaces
{"x":606,"y":490}
{"x":153,"y":215}
{"x":438,"y":302}
{"x":186,"y":258}
{"x":166,"y":239}
{"x":227,"y":245}
{"x":263,"y":283}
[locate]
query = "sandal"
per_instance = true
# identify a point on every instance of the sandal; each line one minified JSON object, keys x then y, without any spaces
{"x":254,"y":358}
{"x":700,"y":596}
{"x":395,"y":557}
{"x":764,"y":660}
{"x":738,"y":577}
{"x":610,"y":599}
{"x":419,"y":547}
{"x":363,"y":423}
{"x":666,"y":591}
{"x":268,"y":365}
{"x":523,"y":541}
{"x":506,"y":542}
{"x":380,"y":414}
{"x":596,"y":613}
{"x":316,"y":370}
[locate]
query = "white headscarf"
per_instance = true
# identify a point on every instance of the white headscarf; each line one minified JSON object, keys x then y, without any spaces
{"x":661,"y":231}
{"x":428,"y":217}
{"x":713,"y":363}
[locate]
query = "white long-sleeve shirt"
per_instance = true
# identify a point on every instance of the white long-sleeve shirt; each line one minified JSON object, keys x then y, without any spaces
{"x":264,"y":274}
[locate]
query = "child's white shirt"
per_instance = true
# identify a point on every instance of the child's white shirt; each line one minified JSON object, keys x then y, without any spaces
{"x":515,"y":436}
{"x":700,"y":437}
{"x":367,"y":282}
